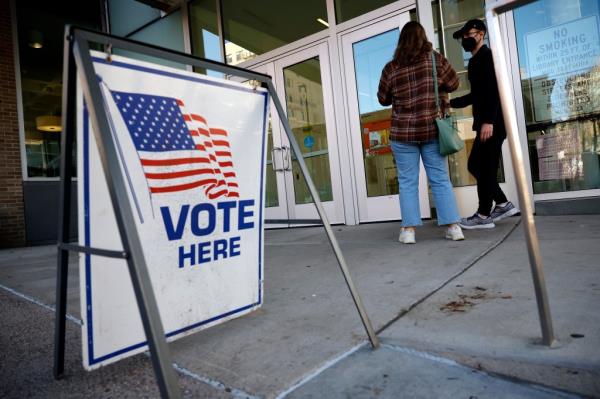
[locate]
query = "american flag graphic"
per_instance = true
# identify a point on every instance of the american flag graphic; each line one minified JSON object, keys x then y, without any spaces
{"x":177,"y":149}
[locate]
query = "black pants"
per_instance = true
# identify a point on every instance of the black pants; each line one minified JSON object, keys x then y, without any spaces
{"x":483,"y":165}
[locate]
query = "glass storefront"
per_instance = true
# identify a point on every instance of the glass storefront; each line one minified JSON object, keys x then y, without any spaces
{"x":558,"y":56}
{"x":40,"y":36}
{"x":559,"y":62}
{"x":449,"y":16}
{"x":251,"y":29}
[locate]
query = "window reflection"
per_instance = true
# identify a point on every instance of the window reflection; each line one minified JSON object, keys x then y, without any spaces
{"x":164,"y":32}
{"x":559,"y":58}
{"x":40,"y":35}
{"x":204,"y":33}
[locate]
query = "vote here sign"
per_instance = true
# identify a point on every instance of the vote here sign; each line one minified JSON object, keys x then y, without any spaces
{"x":192,"y":153}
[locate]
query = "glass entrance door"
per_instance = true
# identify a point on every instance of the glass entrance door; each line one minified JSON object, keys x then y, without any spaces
{"x":366,"y":51}
{"x":303,"y":84}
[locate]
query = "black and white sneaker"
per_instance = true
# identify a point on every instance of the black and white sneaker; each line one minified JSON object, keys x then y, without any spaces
{"x":501,"y":212}
{"x":477,"y":222}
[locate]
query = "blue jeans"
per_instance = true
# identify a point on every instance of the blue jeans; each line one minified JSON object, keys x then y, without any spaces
{"x":407,"y":162}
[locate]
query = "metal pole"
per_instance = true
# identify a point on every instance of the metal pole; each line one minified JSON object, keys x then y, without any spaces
{"x":315,"y":196}
{"x":64,"y":209}
{"x":510,"y":120}
{"x":121,"y":203}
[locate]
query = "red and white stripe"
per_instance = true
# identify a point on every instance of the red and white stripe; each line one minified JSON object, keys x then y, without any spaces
{"x":166,"y":174}
{"x":209,"y":166}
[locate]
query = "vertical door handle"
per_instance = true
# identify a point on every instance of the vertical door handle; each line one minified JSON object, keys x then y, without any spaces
{"x":273,"y":163}
{"x":287,"y":158}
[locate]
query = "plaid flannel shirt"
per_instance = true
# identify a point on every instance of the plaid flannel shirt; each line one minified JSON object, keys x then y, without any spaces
{"x":409,"y":89}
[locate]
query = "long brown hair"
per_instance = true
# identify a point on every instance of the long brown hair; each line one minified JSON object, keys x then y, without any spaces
{"x":412,"y":45}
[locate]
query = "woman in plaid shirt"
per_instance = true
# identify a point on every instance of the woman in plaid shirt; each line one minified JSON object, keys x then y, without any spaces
{"x":407,"y":84}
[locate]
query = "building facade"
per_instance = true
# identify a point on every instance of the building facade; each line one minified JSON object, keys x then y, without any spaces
{"x":325,"y":58}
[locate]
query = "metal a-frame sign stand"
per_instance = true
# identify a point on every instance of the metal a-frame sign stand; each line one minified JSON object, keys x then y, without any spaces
{"x":493,"y":11}
{"x":78,"y":62}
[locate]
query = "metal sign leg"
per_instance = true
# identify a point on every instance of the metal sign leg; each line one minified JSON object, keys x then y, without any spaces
{"x":138,"y":270}
{"x":332,"y":240}
{"x":64,"y":211}
{"x":510,"y":118}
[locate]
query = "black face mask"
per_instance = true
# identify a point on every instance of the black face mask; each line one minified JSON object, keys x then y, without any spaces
{"x":469,"y":43}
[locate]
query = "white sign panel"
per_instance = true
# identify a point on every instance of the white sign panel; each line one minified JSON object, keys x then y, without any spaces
{"x":192,"y":153}
{"x":555,"y":57}
{"x":564,"y":49}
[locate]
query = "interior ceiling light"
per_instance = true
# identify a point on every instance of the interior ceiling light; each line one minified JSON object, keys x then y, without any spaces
{"x":36,"y":39}
{"x":48,"y":123}
{"x":323,"y":22}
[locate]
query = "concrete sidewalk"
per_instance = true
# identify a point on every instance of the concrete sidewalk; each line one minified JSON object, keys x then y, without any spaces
{"x":436,"y":303}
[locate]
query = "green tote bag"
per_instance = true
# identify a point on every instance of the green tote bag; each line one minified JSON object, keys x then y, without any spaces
{"x":450,"y":141}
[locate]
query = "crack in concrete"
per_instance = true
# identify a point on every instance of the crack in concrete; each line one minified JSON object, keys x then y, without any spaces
{"x":404,"y":312}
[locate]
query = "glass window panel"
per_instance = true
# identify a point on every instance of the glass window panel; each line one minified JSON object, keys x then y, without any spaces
{"x":306,"y":114}
{"x":370,"y":56}
{"x":252,"y":28}
{"x":448,"y":17}
{"x":438,"y":42}
{"x":457,"y":12}
{"x":559,"y":57}
{"x":348,"y":9}
{"x":40,"y":37}
{"x":165,"y":32}
{"x":204,"y":32}
{"x":128,"y":15}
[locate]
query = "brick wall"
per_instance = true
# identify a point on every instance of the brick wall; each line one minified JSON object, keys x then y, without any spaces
{"x":12,"y":219}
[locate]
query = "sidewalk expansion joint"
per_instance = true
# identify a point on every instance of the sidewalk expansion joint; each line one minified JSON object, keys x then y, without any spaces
{"x":449,"y":362}
{"x":328,"y":364}
{"x":31,"y":299}
{"x":236,"y":393}
{"x":445,"y":283}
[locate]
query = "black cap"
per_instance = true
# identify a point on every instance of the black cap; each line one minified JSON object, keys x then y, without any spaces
{"x":471,"y":24}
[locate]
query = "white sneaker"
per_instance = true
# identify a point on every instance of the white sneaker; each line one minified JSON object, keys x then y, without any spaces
{"x":454,"y":233}
{"x":407,"y":236}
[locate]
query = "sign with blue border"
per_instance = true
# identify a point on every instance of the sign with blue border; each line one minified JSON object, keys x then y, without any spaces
{"x":192,"y":153}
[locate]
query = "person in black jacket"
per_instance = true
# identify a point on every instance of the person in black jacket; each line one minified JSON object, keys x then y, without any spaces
{"x":488,"y":123}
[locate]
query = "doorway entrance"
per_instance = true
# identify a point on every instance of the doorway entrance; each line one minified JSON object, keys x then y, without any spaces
{"x":303,"y":84}
{"x":365,"y":53}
